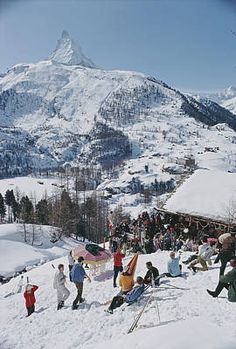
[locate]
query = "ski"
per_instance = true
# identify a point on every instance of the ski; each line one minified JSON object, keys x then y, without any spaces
{"x":135,"y":323}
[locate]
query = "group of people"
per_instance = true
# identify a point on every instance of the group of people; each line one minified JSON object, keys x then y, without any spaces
{"x":149,"y":233}
{"x":198,"y":261}
{"x":77,"y":275}
{"x":130,"y":291}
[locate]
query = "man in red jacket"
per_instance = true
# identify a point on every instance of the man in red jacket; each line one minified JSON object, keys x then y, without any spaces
{"x":30,"y":298}
{"x":117,"y":264}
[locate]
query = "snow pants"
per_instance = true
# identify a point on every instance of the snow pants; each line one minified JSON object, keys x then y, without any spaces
{"x":203,"y":263}
{"x":79,"y":286}
{"x":116,"y":272}
{"x":30,"y":310}
{"x":116,"y":302}
{"x":62,"y":294}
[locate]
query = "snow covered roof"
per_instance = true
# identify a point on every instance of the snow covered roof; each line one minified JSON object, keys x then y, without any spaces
{"x":206,"y":193}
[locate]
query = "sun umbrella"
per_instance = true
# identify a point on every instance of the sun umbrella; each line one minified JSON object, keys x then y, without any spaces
{"x":92,"y":254}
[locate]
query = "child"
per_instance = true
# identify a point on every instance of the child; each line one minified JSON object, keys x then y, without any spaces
{"x":30,"y":298}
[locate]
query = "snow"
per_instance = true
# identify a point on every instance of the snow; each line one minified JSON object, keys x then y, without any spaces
{"x":69,"y":52}
{"x":36,"y":188}
{"x":189,"y":318}
{"x":22,"y":255}
{"x":205,"y":193}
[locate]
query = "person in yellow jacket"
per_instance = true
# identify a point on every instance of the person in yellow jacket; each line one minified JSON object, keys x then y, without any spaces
{"x":126,"y":281}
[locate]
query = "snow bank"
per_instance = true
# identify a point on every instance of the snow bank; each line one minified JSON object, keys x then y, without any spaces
{"x":35,"y":188}
{"x":15,"y":254}
{"x":205,"y":193}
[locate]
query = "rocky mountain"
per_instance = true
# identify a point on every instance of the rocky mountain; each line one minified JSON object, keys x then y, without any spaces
{"x":226,"y":98}
{"x":66,"y":110}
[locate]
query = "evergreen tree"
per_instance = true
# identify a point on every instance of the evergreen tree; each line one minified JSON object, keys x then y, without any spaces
{"x":42,"y":212}
{"x":10,"y":202}
{"x":2,"y":207}
{"x":27,"y":210}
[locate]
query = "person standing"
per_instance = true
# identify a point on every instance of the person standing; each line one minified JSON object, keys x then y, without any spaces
{"x":228,"y":249}
{"x":78,"y":275}
{"x":30,"y":298}
{"x":71,"y":263}
{"x":59,"y":284}
{"x":227,"y":281}
{"x":118,"y":267}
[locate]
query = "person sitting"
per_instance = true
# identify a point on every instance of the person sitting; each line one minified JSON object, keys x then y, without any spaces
{"x":173,"y":266}
{"x":126,"y":281}
{"x":227,"y":281}
{"x":129,"y":297}
{"x":151,"y":275}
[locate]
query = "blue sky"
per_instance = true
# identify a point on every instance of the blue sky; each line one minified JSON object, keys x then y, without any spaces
{"x":186,"y":43}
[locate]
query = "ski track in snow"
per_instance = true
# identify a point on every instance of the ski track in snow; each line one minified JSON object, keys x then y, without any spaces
{"x":90,"y":325}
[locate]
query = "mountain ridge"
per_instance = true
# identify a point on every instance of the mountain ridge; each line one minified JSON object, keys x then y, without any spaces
{"x":58,"y":105}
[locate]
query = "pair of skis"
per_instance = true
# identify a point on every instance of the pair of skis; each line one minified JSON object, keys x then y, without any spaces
{"x":169,"y":286}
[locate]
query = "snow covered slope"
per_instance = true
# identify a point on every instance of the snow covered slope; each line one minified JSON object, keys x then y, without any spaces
{"x":226,"y":98}
{"x":64,"y":110}
{"x":189,"y":318}
{"x":35,"y":188}
{"x":15,"y":254}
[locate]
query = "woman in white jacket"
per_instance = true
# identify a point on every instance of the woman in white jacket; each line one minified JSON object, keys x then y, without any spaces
{"x":59,"y":284}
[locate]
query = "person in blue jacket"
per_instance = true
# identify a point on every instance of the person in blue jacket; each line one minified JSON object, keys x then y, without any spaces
{"x":173,"y":266}
{"x":130,"y":297}
{"x":78,"y":275}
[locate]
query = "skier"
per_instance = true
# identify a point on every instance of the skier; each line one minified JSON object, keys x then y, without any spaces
{"x":71,"y":263}
{"x":227,"y":281}
{"x":129,"y":297}
{"x":78,"y":275}
{"x":117,"y":265}
{"x":174,"y":268}
{"x":151,"y":274}
{"x":30,"y":298}
{"x":59,"y":284}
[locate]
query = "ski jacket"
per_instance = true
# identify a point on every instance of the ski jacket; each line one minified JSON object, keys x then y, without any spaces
{"x":59,"y":279}
{"x":78,"y":273}
{"x":29,"y":297}
{"x":173,"y":266}
{"x":126,"y":282}
{"x":151,"y":274}
{"x":118,"y":259}
{"x":230,"y":278}
{"x":134,"y":294}
{"x":205,"y":251}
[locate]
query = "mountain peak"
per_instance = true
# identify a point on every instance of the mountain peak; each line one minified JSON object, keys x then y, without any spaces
{"x":69,"y":52}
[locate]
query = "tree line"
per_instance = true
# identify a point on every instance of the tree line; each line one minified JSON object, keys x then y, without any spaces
{"x":86,"y":218}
